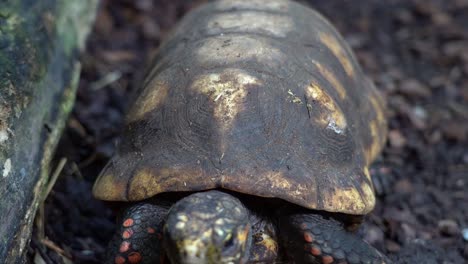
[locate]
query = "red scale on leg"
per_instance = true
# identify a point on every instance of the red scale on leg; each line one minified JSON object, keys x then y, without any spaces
{"x":137,"y":239}
{"x":125,"y":246}
{"x":127,"y":233}
{"x":128,"y":222}
{"x":308,"y":237}
{"x":327,"y":259}
{"x":315,"y":251}
{"x":119,"y":260}
{"x":134,"y":257}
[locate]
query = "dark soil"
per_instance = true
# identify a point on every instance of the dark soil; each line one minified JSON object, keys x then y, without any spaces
{"x":415,"y":50}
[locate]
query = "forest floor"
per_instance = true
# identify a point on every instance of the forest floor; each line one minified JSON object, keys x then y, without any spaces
{"x":416,"y":51}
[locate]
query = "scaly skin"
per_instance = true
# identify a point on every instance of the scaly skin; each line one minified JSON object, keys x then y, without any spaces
{"x":139,"y":236}
{"x":215,"y":227}
{"x":311,"y":238}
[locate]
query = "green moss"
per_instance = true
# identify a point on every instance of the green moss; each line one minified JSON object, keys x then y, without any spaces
{"x":72,"y":15}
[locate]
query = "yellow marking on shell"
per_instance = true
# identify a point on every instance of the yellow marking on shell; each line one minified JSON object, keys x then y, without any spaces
{"x":343,"y":200}
{"x":250,"y":22}
{"x":367,"y":174}
{"x":153,"y":95}
{"x":332,"y":43}
{"x":108,"y":188}
{"x":378,"y":103}
{"x":373,"y":150}
{"x":277,"y":180}
{"x":147,"y":182}
{"x":227,"y":91}
{"x":233,"y":49}
{"x":144,"y":184}
{"x":368,"y":195}
{"x":332,"y":117}
{"x":332,"y":79}
{"x":378,"y":108}
{"x":272,"y":184}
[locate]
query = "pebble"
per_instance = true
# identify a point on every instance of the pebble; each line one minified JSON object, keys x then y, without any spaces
{"x":455,"y":48}
{"x":408,"y":231}
{"x":455,"y":130}
{"x":448,"y":227}
{"x":404,"y":186}
{"x":392,"y":246}
{"x":420,"y":112}
{"x":397,"y":140}
{"x":465,"y":234}
{"x":414,"y":88}
{"x":374,"y":235}
{"x":418,"y":116}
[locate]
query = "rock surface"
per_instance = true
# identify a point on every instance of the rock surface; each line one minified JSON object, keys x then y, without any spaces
{"x":39,"y":72}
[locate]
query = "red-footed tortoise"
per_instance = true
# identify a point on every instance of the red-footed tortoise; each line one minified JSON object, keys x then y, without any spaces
{"x":249,"y":141}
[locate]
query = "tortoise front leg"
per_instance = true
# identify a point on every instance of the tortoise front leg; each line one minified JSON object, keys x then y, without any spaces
{"x":138,"y":236}
{"x":310,"y":238}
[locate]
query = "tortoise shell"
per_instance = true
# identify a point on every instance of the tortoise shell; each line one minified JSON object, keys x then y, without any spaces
{"x":259,"y":97}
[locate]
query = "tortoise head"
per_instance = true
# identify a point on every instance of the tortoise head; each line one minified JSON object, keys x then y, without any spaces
{"x":208,"y":227}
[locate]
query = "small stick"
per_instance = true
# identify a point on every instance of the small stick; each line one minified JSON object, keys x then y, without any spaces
{"x":54,"y":178}
{"x":50,"y":244}
{"x":40,"y":212}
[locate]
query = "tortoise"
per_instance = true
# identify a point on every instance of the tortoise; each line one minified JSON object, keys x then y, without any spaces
{"x":249,"y":141}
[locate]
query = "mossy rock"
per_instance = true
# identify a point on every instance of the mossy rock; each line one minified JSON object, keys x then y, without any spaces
{"x":40,"y":42}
